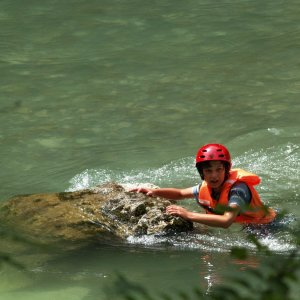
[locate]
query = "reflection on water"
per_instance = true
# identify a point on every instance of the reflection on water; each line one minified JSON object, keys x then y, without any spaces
{"x":90,"y":273}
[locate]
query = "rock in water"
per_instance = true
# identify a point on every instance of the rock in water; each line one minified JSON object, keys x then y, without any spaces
{"x":104,"y":212}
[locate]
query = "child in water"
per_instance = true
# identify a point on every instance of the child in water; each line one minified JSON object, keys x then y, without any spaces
{"x":226,"y":194}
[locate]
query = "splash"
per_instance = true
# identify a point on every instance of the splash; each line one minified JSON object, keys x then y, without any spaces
{"x":218,"y":242}
{"x":176,"y":172}
{"x":278,"y":166}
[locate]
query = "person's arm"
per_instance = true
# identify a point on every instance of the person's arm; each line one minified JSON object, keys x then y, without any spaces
{"x":239,"y":198}
{"x":223,"y":221}
{"x":169,"y":193}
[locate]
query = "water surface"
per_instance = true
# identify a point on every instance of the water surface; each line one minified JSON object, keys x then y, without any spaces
{"x":94,"y":91}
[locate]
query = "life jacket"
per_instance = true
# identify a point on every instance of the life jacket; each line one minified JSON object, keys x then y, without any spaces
{"x":256,"y":212}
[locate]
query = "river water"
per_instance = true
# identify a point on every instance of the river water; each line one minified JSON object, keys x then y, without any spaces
{"x":127,"y":91}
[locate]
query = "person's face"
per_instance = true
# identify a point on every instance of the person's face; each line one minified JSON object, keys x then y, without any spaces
{"x":214,"y":175}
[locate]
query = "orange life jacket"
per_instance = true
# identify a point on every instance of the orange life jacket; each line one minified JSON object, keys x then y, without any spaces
{"x":256,"y":213}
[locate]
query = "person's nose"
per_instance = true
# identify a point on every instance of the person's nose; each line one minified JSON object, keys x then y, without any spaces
{"x":215,"y":174}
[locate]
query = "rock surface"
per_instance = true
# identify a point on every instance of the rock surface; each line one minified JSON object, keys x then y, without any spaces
{"x":104,"y":212}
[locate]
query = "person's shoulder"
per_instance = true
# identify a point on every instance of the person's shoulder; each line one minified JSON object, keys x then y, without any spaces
{"x":195,"y":190}
{"x":240,"y":184}
{"x":240,"y":194}
{"x":240,"y":188}
{"x":197,"y":187}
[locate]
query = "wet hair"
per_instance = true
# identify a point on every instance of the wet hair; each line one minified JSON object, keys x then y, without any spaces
{"x":207,"y":164}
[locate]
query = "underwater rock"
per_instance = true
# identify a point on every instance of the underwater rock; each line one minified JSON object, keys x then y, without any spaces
{"x":104,"y":212}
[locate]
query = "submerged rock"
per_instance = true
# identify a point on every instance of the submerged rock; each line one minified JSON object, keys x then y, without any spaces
{"x":104,"y":212}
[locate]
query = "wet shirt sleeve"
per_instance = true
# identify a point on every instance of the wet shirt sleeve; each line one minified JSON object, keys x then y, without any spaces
{"x":196,"y":191}
{"x":240,"y":195}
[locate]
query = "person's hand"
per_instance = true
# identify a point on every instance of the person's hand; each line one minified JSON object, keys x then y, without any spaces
{"x":176,"y":210}
{"x":148,"y":192}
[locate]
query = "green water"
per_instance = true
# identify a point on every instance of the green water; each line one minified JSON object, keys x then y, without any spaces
{"x":93,"y":91}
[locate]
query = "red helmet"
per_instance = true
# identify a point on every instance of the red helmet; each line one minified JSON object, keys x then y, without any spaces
{"x":213,"y":152}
